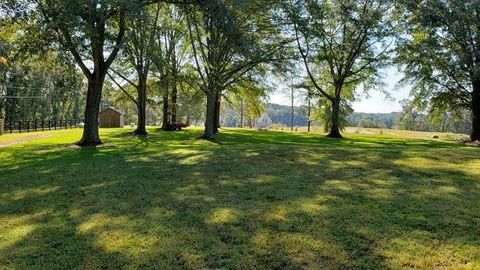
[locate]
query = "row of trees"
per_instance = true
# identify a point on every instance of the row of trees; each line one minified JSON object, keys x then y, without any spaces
{"x":42,"y":84}
{"x":411,"y":117}
{"x":226,"y":49}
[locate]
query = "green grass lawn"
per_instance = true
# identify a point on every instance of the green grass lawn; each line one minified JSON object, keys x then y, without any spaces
{"x":251,"y":200}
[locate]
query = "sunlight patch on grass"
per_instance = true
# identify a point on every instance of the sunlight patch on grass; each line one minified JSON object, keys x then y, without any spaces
{"x":264,"y":179}
{"x":339,"y":185}
{"x":191,"y":157}
{"x":22,"y":194}
{"x":276,"y":214}
{"x":432,"y":254}
{"x":161,"y":213}
{"x":99,"y":186}
{"x":194,"y":192}
{"x":379,"y":193}
{"x":222,"y":216}
{"x":424,"y":163}
{"x":312,"y":207}
{"x":95,"y":222}
{"x":117,"y":234}
{"x":310,"y":252}
{"x":473,"y":167}
{"x":251,"y":153}
{"x":232,"y":183}
{"x":14,"y":229}
{"x":446,"y":190}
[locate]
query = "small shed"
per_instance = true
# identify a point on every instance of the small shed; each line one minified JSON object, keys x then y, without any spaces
{"x":110,"y":118}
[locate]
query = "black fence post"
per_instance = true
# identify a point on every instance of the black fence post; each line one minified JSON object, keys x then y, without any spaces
{"x":35,"y":124}
{"x":11,"y":126}
{"x":28,"y":125}
{"x":20,"y":126}
{"x":43,"y":124}
{"x":55,"y":124}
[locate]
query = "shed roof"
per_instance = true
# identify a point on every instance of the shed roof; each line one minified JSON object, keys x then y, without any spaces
{"x":112,"y":109}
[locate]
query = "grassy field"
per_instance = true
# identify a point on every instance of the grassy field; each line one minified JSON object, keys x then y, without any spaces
{"x":407,"y":134}
{"x":251,"y":200}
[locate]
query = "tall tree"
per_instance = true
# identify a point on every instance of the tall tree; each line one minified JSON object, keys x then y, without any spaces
{"x":139,"y":42}
{"x":93,"y":32}
{"x":229,"y":39}
{"x":171,"y":58}
{"x":440,"y":51}
{"x":342,"y":44}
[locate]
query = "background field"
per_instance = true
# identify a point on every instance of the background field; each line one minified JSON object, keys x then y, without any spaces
{"x":251,"y":200}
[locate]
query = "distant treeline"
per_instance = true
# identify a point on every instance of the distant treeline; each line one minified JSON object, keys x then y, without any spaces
{"x":406,"y":120}
{"x":281,"y":114}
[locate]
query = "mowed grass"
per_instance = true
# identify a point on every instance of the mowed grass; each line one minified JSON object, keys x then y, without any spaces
{"x":406,"y":134}
{"x":251,"y":200}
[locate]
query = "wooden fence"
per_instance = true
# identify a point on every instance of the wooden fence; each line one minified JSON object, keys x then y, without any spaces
{"x":22,"y":126}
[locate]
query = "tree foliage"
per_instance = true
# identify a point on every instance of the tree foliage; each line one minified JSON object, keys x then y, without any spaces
{"x":440,"y":51}
{"x":342,"y":44}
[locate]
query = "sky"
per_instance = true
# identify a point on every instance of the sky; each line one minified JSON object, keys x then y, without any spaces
{"x":374,"y":102}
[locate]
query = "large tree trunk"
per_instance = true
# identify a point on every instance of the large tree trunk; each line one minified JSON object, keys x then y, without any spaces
{"x":476,"y":112}
{"x":217,"y":112}
{"x":142,"y":106}
{"x":210,"y":117}
{"x":335,"y":128}
{"x":90,"y":135}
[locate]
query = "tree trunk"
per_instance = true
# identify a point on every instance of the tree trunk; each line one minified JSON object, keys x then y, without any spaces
{"x":142,"y":106}
{"x":165,"y":111}
{"x":174,"y":102}
{"x":210,"y":117}
{"x":90,"y":135}
{"x":217,"y":113}
{"x":293,"y":110}
{"x":3,"y":92}
{"x":335,"y":128}
{"x":475,"y":136}
{"x":309,"y":113}
{"x":241,"y":113}
{"x":175,"y":71}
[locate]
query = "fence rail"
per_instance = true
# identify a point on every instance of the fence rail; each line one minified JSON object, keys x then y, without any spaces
{"x":23,"y":126}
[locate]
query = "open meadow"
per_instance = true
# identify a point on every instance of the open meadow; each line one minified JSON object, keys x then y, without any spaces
{"x":250,"y":200}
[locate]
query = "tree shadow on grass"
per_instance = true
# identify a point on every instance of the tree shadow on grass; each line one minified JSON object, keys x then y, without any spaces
{"x":251,"y":202}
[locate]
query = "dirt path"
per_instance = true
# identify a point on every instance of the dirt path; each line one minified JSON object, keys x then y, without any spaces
{"x":22,"y":140}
